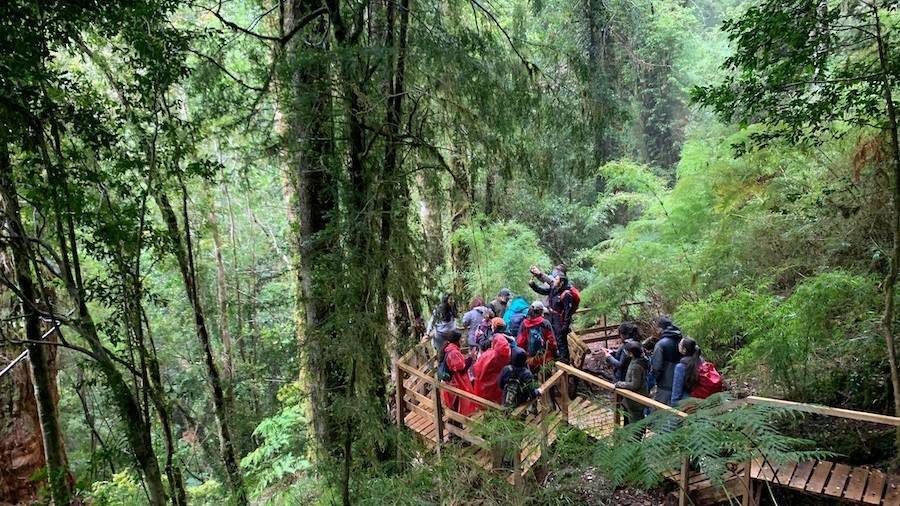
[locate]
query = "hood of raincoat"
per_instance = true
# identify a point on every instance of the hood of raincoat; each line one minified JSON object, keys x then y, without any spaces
{"x":516,"y":306}
{"x":531,"y":322}
{"x":501,"y":347}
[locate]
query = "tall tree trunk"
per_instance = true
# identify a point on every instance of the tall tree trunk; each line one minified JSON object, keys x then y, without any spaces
{"x":306,"y":105}
{"x":181,"y":242}
{"x":42,"y":358}
{"x":890,"y":281}
{"x":460,"y":206}
{"x":222,"y":297}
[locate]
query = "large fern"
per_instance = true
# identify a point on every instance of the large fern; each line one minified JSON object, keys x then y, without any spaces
{"x":716,"y":436}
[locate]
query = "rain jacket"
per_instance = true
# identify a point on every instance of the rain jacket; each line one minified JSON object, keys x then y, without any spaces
{"x":515,"y":313}
{"x":549,"y":341}
{"x":459,"y":378}
{"x":489,"y":367}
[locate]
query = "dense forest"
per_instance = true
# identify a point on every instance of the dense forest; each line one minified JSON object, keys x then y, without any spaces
{"x":221,"y":222}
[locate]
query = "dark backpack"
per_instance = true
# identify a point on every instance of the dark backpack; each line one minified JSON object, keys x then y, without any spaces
{"x":511,"y":392}
{"x":443,"y":372}
{"x":535,"y":340}
{"x":515,"y":323}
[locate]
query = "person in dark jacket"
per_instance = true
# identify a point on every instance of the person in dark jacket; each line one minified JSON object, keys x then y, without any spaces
{"x":442,"y":323}
{"x":619,"y":359}
{"x":665,"y":357}
{"x":518,"y":369}
{"x":561,"y":302}
{"x":498,"y":305}
{"x":635,"y":380}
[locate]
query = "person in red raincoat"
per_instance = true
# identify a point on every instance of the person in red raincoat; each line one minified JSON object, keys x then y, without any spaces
{"x":488,"y":368}
{"x":542,"y":350}
{"x":458,"y":365}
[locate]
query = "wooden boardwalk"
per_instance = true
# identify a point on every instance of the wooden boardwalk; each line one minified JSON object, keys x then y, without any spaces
{"x":418,"y":407}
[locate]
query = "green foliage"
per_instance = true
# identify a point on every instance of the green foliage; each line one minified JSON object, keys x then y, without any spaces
{"x":814,"y":335}
{"x":279,"y":459}
{"x":208,"y":493}
{"x":713,"y":438}
{"x":121,"y":488}
{"x":726,"y":320}
{"x":501,"y":255}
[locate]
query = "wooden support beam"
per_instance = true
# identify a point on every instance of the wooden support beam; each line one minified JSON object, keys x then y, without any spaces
{"x":683,"y":482}
{"x":827,"y":411}
{"x":438,"y":419}
{"x":400,"y":394}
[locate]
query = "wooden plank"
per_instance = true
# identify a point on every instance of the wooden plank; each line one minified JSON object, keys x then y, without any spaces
{"x":856,"y":485}
{"x":838,"y":480}
{"x":892,"y":491}
{"x":785,"y":472}
{"x":819,"y":477}
{"x":874,"y":488}
{"x":828,"y":411}
{"x":769,"y":471}
{"x":755,"y":469}
{"x":801,"y":475}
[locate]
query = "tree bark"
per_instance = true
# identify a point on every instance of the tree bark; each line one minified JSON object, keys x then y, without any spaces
{"x":184,"y":255}
{"x":222,"y":297}
{"x":42,"y":358}
{"x":890,"y":280}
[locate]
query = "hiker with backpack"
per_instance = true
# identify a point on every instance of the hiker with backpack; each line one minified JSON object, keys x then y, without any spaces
{"x":563,"y":300}
{"x":500,"y":302}
{"x":488,"y":368}
{"x":665,"y":357}
{"x":694,"y":377}
{"x":536,"y":337}
{"x":472,"y":320}
{"x":516,"y":380}
{"x":442,"y":323}
{"x":496,"y":327}
{"x":516,"y":311}
{"x":635,"y":380}
{"x":454,"y":370}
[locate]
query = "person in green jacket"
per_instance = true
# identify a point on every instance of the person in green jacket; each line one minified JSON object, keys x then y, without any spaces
{"x":635,"y":380}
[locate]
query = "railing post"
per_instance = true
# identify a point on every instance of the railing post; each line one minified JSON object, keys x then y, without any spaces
{"x":684,"y":481}
{"x":617,"y":413}
{"x":517,"y":468}
{"x":401,"y":393}
{"x":542,"y":412}
{"x":564,"y":393}
{"x":438,"y":415}
{"x":747,"y":484}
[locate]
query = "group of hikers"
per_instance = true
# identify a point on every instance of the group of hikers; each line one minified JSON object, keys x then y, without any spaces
{"x":509,"y":340}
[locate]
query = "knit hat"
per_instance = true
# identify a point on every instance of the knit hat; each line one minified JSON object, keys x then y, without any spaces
{"x":497,"y":323}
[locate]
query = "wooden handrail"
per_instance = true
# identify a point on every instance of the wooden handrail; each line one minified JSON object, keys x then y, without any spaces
{"x":827,"y":411}
{"x":628,"y":394}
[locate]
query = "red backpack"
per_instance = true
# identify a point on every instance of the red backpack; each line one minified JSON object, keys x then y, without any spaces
{"x":576,"y":297}
{"x":709,"y":381}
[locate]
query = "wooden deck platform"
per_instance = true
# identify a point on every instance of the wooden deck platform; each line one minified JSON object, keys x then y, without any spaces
{"x":418,"y":407}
